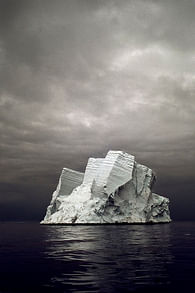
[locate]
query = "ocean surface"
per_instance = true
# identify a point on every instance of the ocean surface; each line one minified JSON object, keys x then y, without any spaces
{"x":108,"y":258}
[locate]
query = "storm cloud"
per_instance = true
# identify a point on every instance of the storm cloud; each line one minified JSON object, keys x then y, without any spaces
{"x":78,"y":78}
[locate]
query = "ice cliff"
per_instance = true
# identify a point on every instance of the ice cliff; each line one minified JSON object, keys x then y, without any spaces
{"x":114,"y":189}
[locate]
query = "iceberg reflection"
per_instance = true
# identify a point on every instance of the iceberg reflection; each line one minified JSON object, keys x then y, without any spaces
{"x":109,"y":258}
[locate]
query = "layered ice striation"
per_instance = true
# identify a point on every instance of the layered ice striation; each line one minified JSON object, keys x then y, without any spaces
{"x":114,"y":189}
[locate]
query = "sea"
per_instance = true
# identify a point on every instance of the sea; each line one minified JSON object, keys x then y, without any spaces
{"x":97,"y":258}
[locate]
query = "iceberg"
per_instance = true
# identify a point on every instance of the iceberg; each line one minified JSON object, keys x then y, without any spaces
{"x":114,"y":189}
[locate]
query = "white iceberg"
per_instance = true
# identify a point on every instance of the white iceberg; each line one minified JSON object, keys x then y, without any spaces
{"x":114,"y":189}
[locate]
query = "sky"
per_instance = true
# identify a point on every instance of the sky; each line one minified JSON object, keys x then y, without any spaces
{"x":78,"y":78}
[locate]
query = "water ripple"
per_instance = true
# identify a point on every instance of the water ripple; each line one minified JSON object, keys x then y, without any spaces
{"x":110,"y":257}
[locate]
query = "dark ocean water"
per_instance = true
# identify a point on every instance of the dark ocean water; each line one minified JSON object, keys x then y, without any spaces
{"x":115,"y":258}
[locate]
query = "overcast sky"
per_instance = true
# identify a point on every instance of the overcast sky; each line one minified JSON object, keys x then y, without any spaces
{"x":78,"y":78}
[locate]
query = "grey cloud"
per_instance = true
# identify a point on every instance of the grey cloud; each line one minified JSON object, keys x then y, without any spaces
{"x":81,"y":77}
